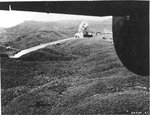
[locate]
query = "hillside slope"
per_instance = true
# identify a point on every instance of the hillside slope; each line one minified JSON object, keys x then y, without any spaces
{"x":81,"y":76}
{"x":32,"y":33}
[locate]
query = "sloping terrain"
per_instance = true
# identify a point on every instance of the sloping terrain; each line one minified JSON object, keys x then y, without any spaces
{"x":80,"y":76}
{"x":32,"y":33}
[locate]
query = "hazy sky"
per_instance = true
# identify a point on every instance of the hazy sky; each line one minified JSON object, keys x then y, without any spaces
{"x":12,"y":18}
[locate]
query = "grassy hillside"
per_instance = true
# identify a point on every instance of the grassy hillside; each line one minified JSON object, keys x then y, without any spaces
{"x":32,"y":33}
{"x":81,"y":76}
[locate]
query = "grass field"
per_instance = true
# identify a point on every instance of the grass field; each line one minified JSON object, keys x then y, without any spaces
{"x":77,"y":77}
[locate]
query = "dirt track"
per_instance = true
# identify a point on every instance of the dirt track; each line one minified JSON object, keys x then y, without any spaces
{"x":23,"y":52}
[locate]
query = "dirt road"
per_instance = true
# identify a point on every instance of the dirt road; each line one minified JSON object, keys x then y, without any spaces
{"x":23,"y":52}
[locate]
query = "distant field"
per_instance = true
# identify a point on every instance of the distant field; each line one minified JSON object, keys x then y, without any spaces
{"x":82,"y":76}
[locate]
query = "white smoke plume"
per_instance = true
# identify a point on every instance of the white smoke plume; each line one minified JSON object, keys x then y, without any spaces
{"x":82,"y":27}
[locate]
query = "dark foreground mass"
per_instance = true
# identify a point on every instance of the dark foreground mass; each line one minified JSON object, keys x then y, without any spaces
{"x":82,"y":76}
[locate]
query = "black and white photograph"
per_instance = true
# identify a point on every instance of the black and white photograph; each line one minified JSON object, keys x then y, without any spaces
{"x":74,"y":57}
